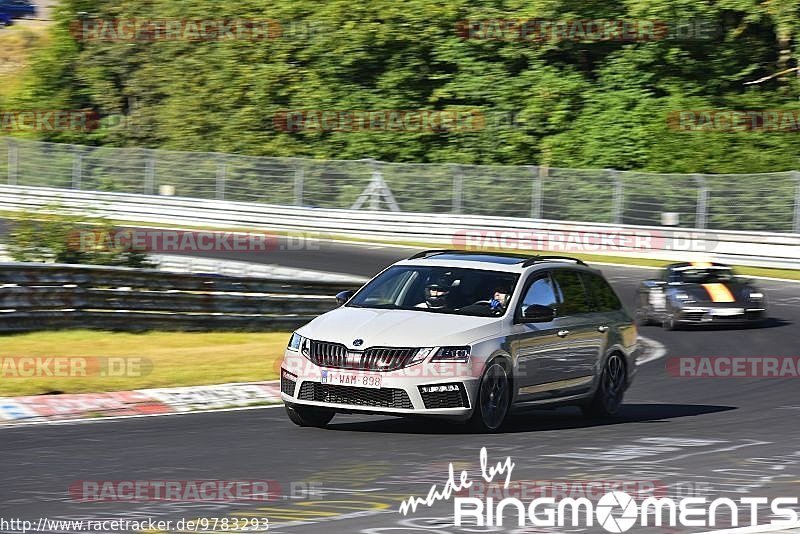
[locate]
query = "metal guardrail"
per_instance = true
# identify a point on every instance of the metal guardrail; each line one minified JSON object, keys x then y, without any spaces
{"x":46,"y":296}
{"x":752,"y":202}
{"x":737,"y":247}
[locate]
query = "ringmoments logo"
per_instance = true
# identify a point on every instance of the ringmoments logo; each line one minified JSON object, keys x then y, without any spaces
{"x":615,"y":511}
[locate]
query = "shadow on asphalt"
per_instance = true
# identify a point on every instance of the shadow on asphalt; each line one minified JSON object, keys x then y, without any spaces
{"x":771,"y":322}
{"x":533,"y":421}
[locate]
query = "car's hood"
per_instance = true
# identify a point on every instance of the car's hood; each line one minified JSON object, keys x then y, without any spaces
{"x":399,"y":328}
{"x":717,"y":293}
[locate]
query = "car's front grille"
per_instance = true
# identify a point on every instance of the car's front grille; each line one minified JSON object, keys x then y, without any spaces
{"x":327,"y":354}
{"x":336,"y":355}
{"x":448,"y":396}
{"x":355,"y":396}
{"x":694,"y":316}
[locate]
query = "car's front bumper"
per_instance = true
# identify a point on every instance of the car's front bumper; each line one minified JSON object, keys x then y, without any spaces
{"x":719,"y":314}
{"x":400,"y":392}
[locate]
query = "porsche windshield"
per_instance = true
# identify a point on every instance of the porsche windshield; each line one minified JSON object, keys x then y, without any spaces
{"x":706,"y":275}
{"x":439,"y":289}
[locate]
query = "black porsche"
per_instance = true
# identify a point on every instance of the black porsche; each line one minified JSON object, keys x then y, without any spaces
{"x":699,"y":293}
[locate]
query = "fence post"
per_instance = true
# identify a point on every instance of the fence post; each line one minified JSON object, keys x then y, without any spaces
{"x":796,"y":175}
{"x":77,"y":167}
{"x":149,"y":172}
{"x":377,"y":178}
{"x":458,"y":188}
{"x":536,"y":192}
{"x":618,"y":201}
{"x":299,"y":175}
{"x":544,"y":174}
{"x":702,"y":202}
{"x":13,"y":161}
{"x":221,"y":171}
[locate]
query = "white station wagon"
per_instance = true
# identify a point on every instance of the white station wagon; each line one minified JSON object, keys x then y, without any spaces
{"x":464,"y":336}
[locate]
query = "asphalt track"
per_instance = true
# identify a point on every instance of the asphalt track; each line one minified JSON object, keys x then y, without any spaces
{"x":695,"y":437}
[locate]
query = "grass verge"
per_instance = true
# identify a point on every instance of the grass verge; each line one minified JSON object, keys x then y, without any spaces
{"x":178,"y":359}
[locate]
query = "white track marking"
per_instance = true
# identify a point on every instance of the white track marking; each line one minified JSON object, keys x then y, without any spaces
{"x":656,"y":351}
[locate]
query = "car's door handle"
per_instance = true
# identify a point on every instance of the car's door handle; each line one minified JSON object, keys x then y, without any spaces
{"x":602,"y":328}
{"x":563,"y":333}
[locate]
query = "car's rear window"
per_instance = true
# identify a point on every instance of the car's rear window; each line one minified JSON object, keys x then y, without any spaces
{"x":605,"y":299}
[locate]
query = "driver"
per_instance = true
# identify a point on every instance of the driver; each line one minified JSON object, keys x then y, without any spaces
{"x":438,"y":291}
{"x":499,"y":300}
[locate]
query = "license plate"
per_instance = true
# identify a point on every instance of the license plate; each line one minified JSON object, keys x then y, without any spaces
{"x":351,"y":379}
{"x":727,"y":312}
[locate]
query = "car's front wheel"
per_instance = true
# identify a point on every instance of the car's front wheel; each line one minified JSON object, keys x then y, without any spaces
{"x":611,"y":390}
{"x":309,"y":416}
{"x":493,"y":398}
{"x":670,"y":322}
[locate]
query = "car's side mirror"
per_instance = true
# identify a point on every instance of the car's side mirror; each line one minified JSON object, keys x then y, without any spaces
{"x":344,"y":296}
{"x":536,"y":313}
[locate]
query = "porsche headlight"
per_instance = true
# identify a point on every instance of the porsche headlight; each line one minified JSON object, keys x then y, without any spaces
{"x":452,"y":354}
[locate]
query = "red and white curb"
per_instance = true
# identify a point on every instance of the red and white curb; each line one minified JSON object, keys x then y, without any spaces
{"x":161,"y":401}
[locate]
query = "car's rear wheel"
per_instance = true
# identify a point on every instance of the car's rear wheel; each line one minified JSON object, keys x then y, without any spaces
{"x":611,"y":390}
{"x":493,"y":398}
{"x":309,"y":416}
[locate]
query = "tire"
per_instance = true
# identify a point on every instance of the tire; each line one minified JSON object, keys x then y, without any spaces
{"x":308,"y":416}
{"x":493,"y":399}
{"x":669,"y":322}
{"x":641,"y":317}
{"x":610,"y":391}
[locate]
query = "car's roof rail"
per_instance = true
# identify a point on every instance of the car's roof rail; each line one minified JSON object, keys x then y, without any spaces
{"x":535,"y":259}
{"x":431,"y":252}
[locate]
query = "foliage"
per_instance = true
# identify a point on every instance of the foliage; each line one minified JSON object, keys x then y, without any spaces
{"x":563,"y":103}
{"x":48,"y":236}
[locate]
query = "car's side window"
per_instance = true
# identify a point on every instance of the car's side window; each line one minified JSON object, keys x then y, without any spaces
{"x":605,"y":299}
{"x":573,"y":295}
{"x":673,"y":276}
{"x":540,"y":292}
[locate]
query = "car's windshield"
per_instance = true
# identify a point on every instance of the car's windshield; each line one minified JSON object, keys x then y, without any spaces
{"x":439,"y":289}
{"x":706,"y":275}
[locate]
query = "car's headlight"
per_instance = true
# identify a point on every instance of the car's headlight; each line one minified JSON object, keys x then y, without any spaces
{"x":452,"y":354}
{"x":756,"y":295}
{"x":295,"y":342}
